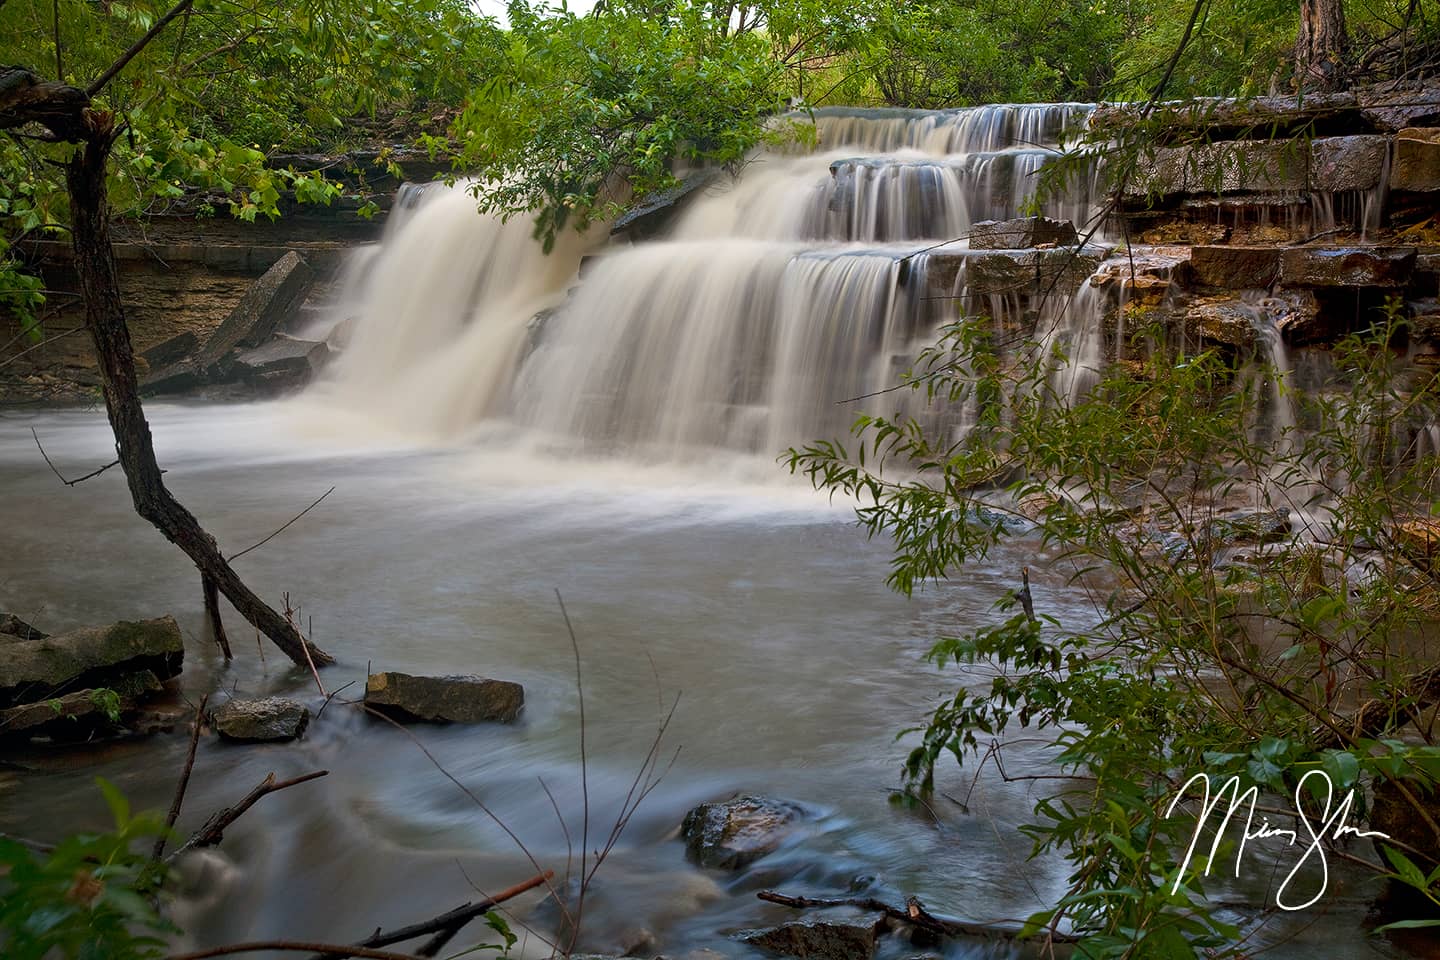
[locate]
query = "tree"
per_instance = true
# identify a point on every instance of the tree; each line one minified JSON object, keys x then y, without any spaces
{"x":1321,"y":45}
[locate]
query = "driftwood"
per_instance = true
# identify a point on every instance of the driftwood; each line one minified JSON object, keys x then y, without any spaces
{"x":916,"y":915}
{"x":66,"y":114}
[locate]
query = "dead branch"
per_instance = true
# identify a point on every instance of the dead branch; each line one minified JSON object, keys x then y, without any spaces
{"x":114,"y":68}
{"x":180,"y":787}
{"x":214,"y":829}
{"x":54,"y":470}
{"x":446,"y":925}
{"x":212,"y":613}
{"x":236,"y":556}
{"x":916,"y":915}
{"x":298,"y":946}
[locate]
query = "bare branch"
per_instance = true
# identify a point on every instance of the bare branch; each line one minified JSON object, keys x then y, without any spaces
{"x":180,"y":787}
{"x":214,"y":829}
{"x":69,"y":483}
{"x":136,"y":47}
{"x":233,"y":557}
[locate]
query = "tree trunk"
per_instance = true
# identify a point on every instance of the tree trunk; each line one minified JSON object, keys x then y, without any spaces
{"x":105,"y":318}
{"x":1320,"y":46}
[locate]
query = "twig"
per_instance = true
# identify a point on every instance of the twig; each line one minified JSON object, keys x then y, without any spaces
{"x":331,"y":696}
{"x":236,"y":556}
{"x":584,"y":777}
{"x":69,"y":483}
{"x":212,"y":611}
{"x":214,"y":829}
{"x":180,"y":787}
{"x":299,"y":946}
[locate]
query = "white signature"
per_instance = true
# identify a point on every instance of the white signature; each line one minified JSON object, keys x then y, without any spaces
{"x":1331,"y":826}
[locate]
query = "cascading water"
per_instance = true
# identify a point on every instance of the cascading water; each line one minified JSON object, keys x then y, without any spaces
{"x":805,"y":282}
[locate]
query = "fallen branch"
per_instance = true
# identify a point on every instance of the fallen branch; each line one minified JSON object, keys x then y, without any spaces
{"x":214,"y":829}
{"x":916,"y":915}
{"x":180,"y":787}
{"x":444,"y":927}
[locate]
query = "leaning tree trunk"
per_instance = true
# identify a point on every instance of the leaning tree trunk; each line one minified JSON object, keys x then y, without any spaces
{"x":1320,"y":46}
{"x":105,"y":318}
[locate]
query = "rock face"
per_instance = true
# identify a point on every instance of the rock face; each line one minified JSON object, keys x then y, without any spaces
{"x":1231,"y":322}
{"x":1236,"y":268}
{"x":1417,"y":160}
{"x":1347,"y":266}
{"x":655,"y":213}
{"x":260,"y":312}
{"x":1059,"y":271}
{"x":735,"y":833}
{"x":444,"y":699}
{"x":822,"y":939}
{"x":38,"y":669}
{"x":1021,"y":234}
{"x":283,"y":362}
{"x":269,"y":719}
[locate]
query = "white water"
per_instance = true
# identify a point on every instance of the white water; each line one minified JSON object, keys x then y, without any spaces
{"x":774,"y":298}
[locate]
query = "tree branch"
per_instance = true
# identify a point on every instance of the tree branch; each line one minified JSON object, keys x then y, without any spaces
{"x":69,"y":483}
{"x":214,"y":829}
{"x":135,"y":48}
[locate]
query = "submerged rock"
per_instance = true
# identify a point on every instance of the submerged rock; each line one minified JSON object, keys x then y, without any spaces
{"x":263,"y":720}
{"x":39,"y":669}
{"x":734,"y":833}
{"x":444,"y":699}
{"x":1252,"y":527}
{"x":822,"y":938}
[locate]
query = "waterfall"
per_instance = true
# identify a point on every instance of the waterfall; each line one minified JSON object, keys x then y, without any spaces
{"x":814,"y":277}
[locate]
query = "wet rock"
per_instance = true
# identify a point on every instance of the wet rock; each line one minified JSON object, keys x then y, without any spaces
{"x":169,"y":352}
{"x":1231,"y":166}
{"x":1388,"y":267}
{"x":444,"y":699}
{"x":34,"y":670}
{"x":13,"y":628}
{"x":1390,"y":107}
{"x":81,"y":714}
{"x":1347,"y":163}
{"x":822,"y":938}
{"x":1417,"y":160}
{"x":1235,"y":268}
{"x":655,"y":212}
{"x":179,"y":377}
{"x":1144,"y":276}
{"x":1023,"y":233}
{"x":341,"y":334}
{"x":283,"y":362}
{"x":268,"y":302}
{"x":1228,"y":322}
{"x":262,"y":720}
{"x":1419,"y":540}
{"x":1252,"y":527}
{"x":1060,"y":272}
{"x":734,"y":833}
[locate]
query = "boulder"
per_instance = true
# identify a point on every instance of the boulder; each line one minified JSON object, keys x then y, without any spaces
{"x":177,"y":378}
{"x":1228,"y":322}
{"x":1416,"y":166}
{"x":1059,"y":272}
{"x":39,"y":669}
{"x":1023,"y":233}
{"x":169,"y":352}
{"x":1235,"y":268}
{"x":263,"y":720}
{"x":283,"y":362}
{"x":79,"y":715}
{"x":734,"y":833}
{"x":443,"y":699}
{"x":822,"y":938}
{"x":268,"y":302}
{"x":1388,"y":267}
{"x":1419,"y":540}
{"x":12,"y":627}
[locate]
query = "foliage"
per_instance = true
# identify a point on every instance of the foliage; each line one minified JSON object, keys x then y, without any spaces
{"x":1202,"y":655}
{"x":90,"y":898}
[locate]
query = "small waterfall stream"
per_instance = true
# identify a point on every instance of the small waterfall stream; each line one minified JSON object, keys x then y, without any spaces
{"x":811,"y":278}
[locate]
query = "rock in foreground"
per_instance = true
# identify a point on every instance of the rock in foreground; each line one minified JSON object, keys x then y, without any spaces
{"x":41,"y":668}
{"x":822,"y":939}
{"x":735,"y":833}
{"x":265,"y":720}
{"x":444,"y":699}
